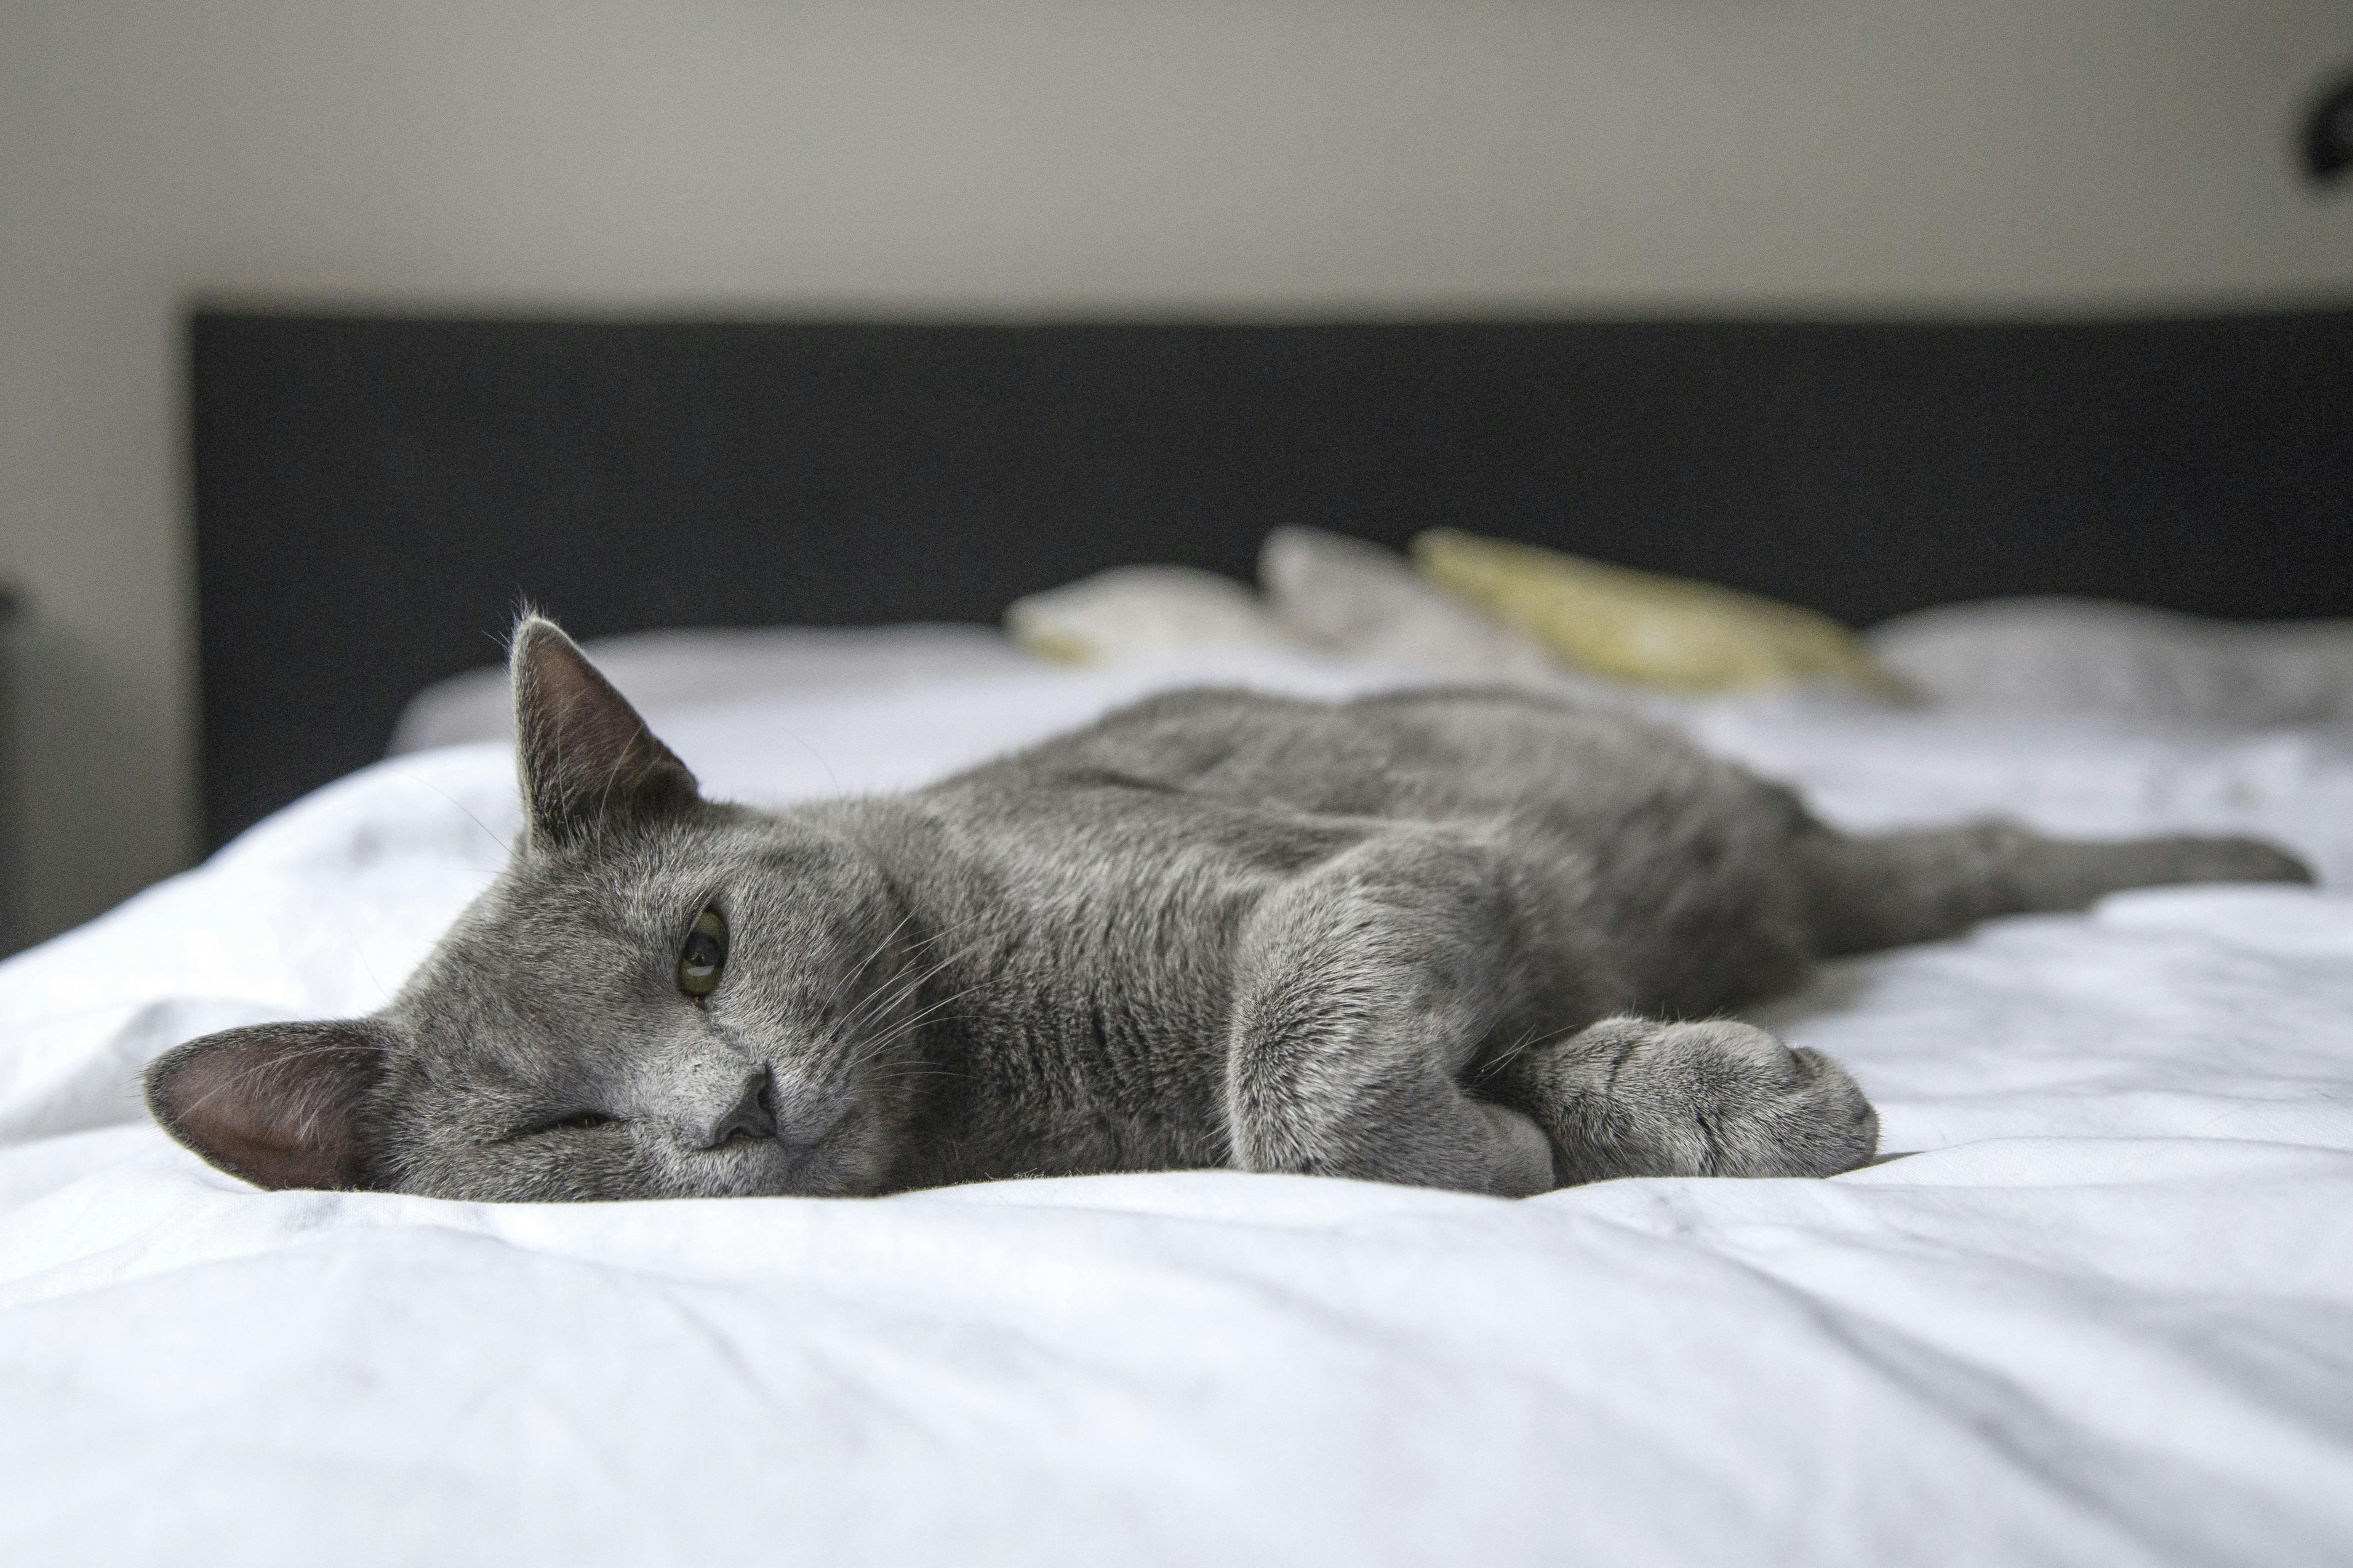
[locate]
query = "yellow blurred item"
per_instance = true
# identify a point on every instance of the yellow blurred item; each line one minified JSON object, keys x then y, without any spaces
{"x":1641,"y":626}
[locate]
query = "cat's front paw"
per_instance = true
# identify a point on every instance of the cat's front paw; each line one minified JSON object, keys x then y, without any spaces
{"x":1718,"y":1099}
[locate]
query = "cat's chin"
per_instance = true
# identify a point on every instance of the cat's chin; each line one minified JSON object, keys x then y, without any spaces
{"x":768,"y":1168}
{"x":805,"y":1185}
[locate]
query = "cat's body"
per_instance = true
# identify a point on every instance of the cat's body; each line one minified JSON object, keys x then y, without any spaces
{"x":1110,"y":906}
{"x":1424,"y":938}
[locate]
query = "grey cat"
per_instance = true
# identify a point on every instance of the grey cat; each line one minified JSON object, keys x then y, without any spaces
{"x":1440,"y":937}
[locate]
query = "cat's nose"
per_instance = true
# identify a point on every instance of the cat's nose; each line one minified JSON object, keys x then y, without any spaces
{"x":750,"y":1116}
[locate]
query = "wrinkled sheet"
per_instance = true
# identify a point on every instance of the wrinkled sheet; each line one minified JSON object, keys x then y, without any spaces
{"x":2100,"y":1310}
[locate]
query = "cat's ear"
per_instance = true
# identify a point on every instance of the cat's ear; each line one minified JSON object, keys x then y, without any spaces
{"x":277,"y":1104}
{"x":587,"y":760}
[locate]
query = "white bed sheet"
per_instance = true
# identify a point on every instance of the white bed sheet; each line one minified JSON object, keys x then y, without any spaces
{"x":2104,"y":1314}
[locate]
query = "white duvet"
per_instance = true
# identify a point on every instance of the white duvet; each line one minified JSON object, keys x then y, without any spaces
{"x":2103,"y":1312}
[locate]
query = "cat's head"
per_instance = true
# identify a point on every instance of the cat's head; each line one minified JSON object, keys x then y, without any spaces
{"x":660,"y":995}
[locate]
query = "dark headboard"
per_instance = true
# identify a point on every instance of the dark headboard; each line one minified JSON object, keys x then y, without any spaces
{"x":373,"y":494}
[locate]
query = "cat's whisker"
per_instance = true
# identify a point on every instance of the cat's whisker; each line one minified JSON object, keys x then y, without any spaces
{"x":405,"y":776}
{"x":1530,"y":1039}
{"x":931,"y":1014}
{"x":867,"y":1051}
{"x":897,"y":997}
{"x":344,"y":927}
{"x":916,"y":949}
{"x":925,"y":1013}
{"x":849,"y":975}
{"x":872,"y":1044}
{"x":873,"y":1009}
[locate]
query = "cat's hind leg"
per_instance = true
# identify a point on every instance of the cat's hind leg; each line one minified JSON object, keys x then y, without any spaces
{"x":1884,"y":890}
{"x":1636,"y":1096}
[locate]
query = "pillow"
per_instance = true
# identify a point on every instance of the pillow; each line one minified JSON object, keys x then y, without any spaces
{"x":1132,"y":610}
{"x":1365,"y":602}
{"x":2089,"y":656}
{"x":1635,"y":625}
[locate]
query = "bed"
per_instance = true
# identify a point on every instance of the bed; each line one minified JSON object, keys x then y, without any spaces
{"x":2097,"y":1311}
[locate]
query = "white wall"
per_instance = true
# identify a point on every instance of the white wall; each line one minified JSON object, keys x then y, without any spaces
{"x":1024,"y":156}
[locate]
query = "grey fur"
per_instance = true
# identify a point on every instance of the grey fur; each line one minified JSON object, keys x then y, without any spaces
{"x":1421,"y":938}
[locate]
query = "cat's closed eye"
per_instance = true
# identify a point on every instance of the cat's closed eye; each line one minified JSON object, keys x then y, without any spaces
{"x":578,"y":1122}
{"x":704,"y":956}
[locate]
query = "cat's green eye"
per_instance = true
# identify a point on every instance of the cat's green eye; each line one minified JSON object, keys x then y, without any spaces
{"x":704,"y":955}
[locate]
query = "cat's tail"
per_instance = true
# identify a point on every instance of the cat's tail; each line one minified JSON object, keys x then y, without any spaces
{"x":1883,"y":891}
